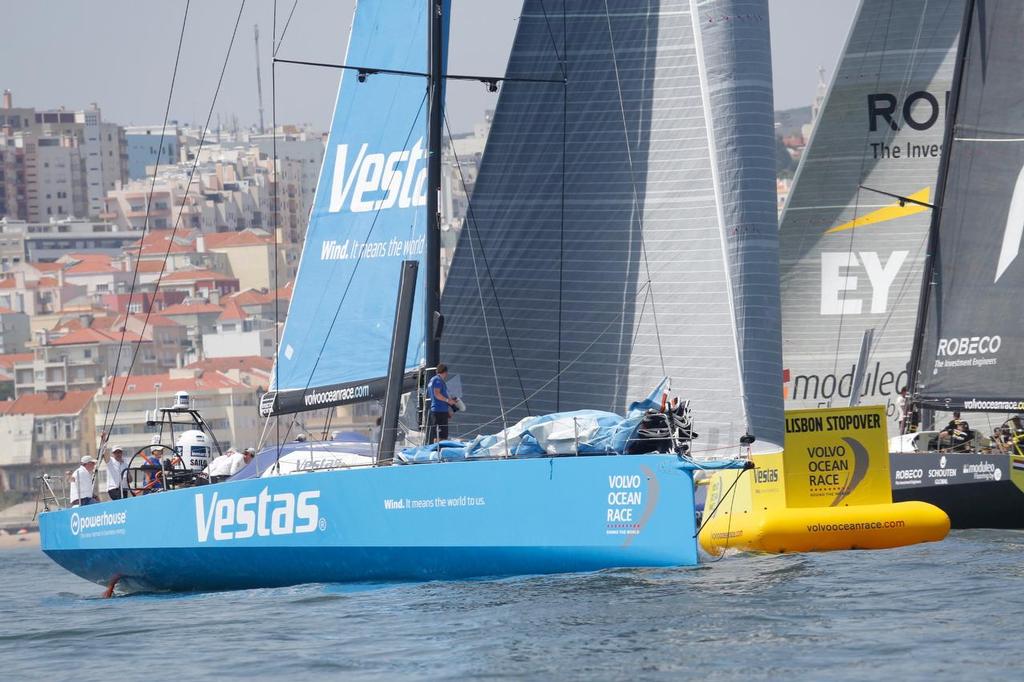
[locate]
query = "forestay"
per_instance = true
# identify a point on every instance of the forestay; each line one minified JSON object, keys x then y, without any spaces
{"x":623,"y":226}
{"x":369,"y":214}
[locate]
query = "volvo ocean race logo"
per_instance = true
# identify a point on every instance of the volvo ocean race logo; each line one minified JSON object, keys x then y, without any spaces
{"x":260,"y":515}
{"x":104,"y":521}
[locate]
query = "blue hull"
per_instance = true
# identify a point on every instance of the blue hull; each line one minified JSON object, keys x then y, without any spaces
{"x":425,"y":522}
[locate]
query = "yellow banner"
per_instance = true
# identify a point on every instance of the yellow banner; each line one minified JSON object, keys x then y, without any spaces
{"x":837,"y":457}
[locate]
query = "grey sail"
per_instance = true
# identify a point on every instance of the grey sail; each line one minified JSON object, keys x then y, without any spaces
{"x":973,"y":331}
{"x":851,"y":259}
{"x":623,"y":226}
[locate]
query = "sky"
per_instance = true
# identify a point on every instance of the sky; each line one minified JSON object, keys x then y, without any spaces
{"x":120,"y":55}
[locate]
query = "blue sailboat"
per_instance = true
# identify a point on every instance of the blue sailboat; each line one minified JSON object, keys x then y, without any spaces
{"x":553,"y":509}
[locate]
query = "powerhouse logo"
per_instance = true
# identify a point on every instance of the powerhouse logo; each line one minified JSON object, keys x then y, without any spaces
{"x":85,"y":523}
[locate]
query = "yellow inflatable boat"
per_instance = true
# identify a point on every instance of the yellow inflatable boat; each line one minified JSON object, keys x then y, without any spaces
{"x":829,"y":489}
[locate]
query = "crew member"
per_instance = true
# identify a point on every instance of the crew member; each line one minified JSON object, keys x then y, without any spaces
{"x":83,"y":483}
{"x":956,"y":433}
{"x":1015,"y":434}
{"x":440,"y":405}
{"x":901,"y":410}
{"x":153,"y":468}
{"x":117,"y":486}
{"x":239,"y":460}
{"x":220,"y":468}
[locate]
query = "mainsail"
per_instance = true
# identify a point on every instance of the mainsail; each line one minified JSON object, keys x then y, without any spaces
{"x":972,"y":327}
{"x":851,"y":259}
{"x":369,"y":214}
{"x":623,"y":225}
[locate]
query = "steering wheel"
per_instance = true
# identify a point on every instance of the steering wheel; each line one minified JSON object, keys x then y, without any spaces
{"x":148,"y":473}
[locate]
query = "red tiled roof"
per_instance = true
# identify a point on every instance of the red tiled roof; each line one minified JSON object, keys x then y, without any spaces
{"x":147,"y":266}
{"x":251,"y":362}
{"x":73,"y":402}
{"x":156,"y":242}
{"x":258,"y":296}
{"x":224,"y":240}
{"x":4,"y":311}
{"x":191,"y":309}
{"x":8,"y":360}
{"x":46,"y":282}
{"x":47,"y":267}
{"x":232,"y":311}
{"x":196,"y":275}
{"x":100,"y":322}
{"x":146,"y":383}
{"x":88,"y":264}
{"x":95,"y":336}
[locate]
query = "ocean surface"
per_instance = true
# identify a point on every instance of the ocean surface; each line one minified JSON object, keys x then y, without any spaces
{"x":949,"y":610}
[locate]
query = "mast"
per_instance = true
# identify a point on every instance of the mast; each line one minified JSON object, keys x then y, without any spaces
{"x":914,"y":365}
{"x":432,"y":257}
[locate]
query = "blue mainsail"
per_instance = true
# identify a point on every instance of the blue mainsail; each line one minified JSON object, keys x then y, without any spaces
{"x":369,"y":214}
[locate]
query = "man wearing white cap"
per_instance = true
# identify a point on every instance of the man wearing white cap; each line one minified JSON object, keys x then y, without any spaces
{"x":240,"y":459}
{"x":83,"y":483}
{"x":219,"y":469}
{"x":117,"y":486}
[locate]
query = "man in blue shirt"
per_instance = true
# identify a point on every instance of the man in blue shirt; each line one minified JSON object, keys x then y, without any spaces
{"x":440,"y":405}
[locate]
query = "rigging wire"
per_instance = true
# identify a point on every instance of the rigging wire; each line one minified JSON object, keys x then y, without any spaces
{"x":578,"y":357}
{"x":924,"y":242}
{"x":884,"y":32}
{"x":287,"y":23}
{"x":480,"y":294}
{"x":107,"y":423}
{"x":471,"y":217}
{"x":632,"y":179}
{"x":274,"y":40}
{"x":184,"y":200}
{"x":359,"y":259}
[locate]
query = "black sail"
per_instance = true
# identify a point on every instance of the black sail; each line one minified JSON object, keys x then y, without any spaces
{"x":973,"y":334}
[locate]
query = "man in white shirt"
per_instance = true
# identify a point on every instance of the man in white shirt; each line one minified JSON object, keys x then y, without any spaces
{"x":83,"y":483}
{"x":117,"y":485}
{"x":220,"y":468}
{"x":240,"y":459}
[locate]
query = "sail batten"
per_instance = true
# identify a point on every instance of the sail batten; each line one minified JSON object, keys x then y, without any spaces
{"x":369,"y":214}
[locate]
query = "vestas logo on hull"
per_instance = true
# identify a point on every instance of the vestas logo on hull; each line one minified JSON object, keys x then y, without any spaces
{"x":260,"y":515}
{"x":378,"y":181}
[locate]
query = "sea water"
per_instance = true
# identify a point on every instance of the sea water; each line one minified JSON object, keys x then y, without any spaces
{"x":938,"y":611}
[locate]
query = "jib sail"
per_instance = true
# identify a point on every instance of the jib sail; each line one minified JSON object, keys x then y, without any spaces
{"x":369,"y":214}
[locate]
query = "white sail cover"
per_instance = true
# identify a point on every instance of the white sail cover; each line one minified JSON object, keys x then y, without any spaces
{"x":852,"y":259}
{"x":623,"y":226}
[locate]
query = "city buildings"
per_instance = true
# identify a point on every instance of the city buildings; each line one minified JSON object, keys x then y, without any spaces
{"x":227,"y":405}
{"x":57,"y":163}
{"x":148,"y":145}
{"x":22,"y":241}
{"x":44,"y":433}
{"x":183,"y":279}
